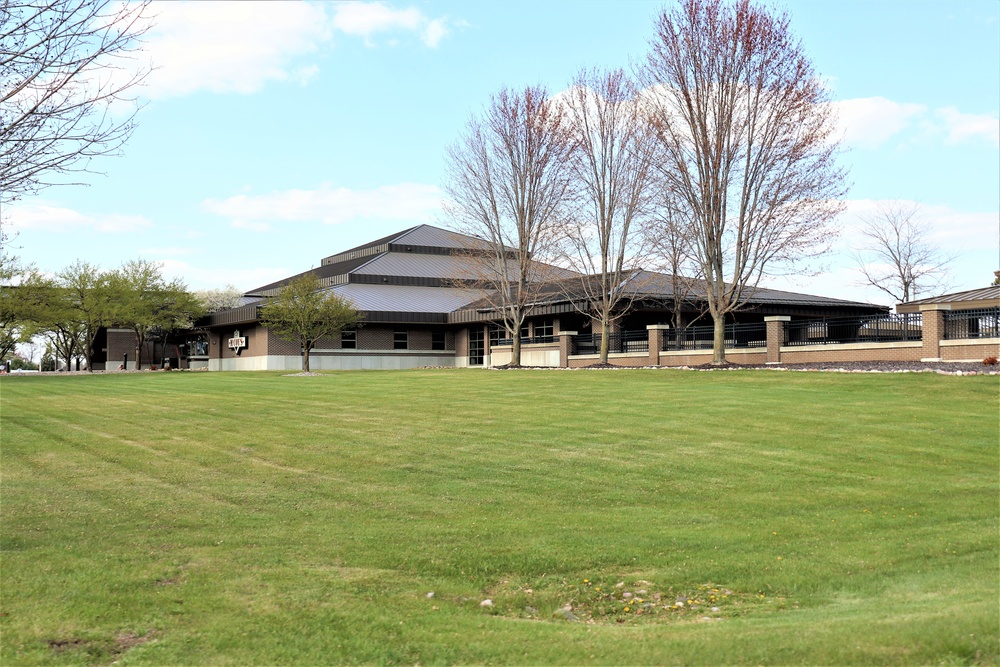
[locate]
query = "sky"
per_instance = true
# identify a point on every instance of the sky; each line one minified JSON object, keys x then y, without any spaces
{"x":275,"y":134}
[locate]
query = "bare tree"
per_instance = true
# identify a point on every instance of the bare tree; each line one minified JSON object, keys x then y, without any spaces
{"x":669,"y":232}
{"x":747,"y":139}
{"x":611,"y":167}
{"x":507,"y":179}
{"x":63,"y":64}
{"x":900,"y":260}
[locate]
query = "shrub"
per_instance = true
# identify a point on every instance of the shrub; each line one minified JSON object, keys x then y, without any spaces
{"x":990,"y":361}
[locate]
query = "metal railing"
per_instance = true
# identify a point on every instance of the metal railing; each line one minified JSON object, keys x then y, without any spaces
{"x":973,"y":323}
{"x":619,"y":342}
{"x":743,"y":335}
{"x":528,"y":341}
{"x":888,"y":328}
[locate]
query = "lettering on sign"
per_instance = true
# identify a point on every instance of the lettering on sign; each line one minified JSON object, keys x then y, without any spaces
{"x":237,"y":343}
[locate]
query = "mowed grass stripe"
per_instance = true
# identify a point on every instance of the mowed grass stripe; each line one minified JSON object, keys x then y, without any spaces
{"x":249,"y":518}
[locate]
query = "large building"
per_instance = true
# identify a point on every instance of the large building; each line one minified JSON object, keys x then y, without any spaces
{"x":423,"y":305}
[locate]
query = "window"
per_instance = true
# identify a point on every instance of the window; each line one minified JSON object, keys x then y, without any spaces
{"x":349,"y":340}
{"x":543,"y":331}
{"x":400,"y":339}
{"x":476,"y":350}
{"x":497,"y":333}
{"x":524,"y":331}
{"x":437,"y":340}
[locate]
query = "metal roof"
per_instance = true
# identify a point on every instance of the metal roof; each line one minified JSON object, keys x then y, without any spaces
{"x":991,"y":293}
{"x":406,"y":298}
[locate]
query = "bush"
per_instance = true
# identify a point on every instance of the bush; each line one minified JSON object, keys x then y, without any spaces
{"x":990,"y":361}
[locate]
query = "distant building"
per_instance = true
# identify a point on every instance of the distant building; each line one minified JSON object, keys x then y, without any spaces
{"x":423,"y":306}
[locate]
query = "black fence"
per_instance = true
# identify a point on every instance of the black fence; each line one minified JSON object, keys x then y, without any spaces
{"x":887,"y":328}
{"x":977,"y":323}
{"x":618,"y":342}
{"x":748,"y":335}
{"x":528,"y":341}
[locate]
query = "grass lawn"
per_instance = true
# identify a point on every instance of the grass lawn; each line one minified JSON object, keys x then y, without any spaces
{"x":253,"y":518}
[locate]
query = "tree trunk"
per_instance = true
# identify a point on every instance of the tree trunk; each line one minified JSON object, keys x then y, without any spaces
{"x":604,"y":342}
{"x":515,"y":349}
{"x":305,"y":358}
{"x":719,"y":340}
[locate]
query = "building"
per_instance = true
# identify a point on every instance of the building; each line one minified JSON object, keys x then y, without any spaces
{"x":423,"y":306}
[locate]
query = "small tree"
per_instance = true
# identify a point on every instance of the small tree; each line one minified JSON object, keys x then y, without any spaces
{"x":900,"y":260}
{"x":303,"y":312}
{"x":214,"y":300}
{"x":149,"y":305}
{"x":89,"y":291}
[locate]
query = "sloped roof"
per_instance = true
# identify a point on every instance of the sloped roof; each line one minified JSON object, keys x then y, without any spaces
{"x":984,"y":297}
{"x":406,"y":298}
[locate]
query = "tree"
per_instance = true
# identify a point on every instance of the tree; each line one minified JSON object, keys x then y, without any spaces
{"x":747,"y":141}
{"x":303,"y":311}
{"x":507,"y":179}
{"x":90,"y":292}
{"x":63,"y":64}
{"x":611,"y":169}
{"x":900,"y":260}
{"x":24,"y":295}
{"x":148,"y":304}
{"x":214,"y":300}
{"x":59,"y":322}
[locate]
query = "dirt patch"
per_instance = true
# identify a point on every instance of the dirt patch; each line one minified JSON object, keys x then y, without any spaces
{"x":102,"y":650}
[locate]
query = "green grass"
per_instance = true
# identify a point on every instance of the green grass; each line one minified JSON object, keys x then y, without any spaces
{"x":235,"y":519}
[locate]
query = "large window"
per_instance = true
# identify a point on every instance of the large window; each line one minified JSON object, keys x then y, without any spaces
{"x":400,"y":339}
{"x":349,"y":340}
{"x":476,"y":349}
{"x":497,"y":333}
{"x":437,"y":340}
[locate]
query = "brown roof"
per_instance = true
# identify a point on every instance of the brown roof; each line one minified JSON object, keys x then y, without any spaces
{"x":985,"y":297}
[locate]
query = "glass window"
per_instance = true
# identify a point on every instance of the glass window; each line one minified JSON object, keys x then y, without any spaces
{"x":497,"y":333}
{"x":543,"y":329}
{"x":349,"y":340}
{"x":476,"y":350}
{"x":400,"y":339}
{"x":437,"y":340}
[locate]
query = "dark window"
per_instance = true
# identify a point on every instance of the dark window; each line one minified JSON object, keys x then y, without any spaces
{"x":524,"y":331}
{"x":476,"y":349}
{"x":349,"y":340}
{"x":543,"y":329}
{"x":437,"y":340}
{"x":497,"y":333}
{"x":400,"y":339}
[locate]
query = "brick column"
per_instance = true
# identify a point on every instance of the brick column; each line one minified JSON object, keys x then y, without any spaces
{"x":565,"y":347}
{"x":932,"y":331}
{"x":656,"y":332}
{"x":775,"y":336}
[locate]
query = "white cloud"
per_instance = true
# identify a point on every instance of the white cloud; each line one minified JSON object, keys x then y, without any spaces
{"x":869,"y":122}
{"x":409,"y":202}
{"x":963,"y":126}
{"x":42,"y":216}
{"x":366,"y":19}
{"x":226,"y":47}
{"x":238,"y":47}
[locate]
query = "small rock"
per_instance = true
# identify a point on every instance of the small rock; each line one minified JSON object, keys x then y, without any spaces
{"x":531,"y":610}
{"x":429,"y":595}
{"x":486,"y":603}
{"x":715,"y":609}
{"x":641,"y":592}
{"x":626,"y":595}
{"x":620,"y":584}
{"x":565,"y":614}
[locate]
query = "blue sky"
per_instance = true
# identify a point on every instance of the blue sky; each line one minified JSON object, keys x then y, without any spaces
{"x":275,"y":134}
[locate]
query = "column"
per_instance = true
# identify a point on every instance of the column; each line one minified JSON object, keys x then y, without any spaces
{"x":775,"y":336}
{"x":932,"y":330}
{"x":565,"y":347}
{"x":656,"y":333}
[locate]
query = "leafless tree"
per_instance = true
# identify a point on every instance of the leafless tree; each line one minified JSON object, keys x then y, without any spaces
{"x":900,"y":260}
{"x":611,"y":168}
{"x":747,"y":139}
{"x":507,"y":178}
{"x":63,"y":65}
{"x":669,"y":232}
